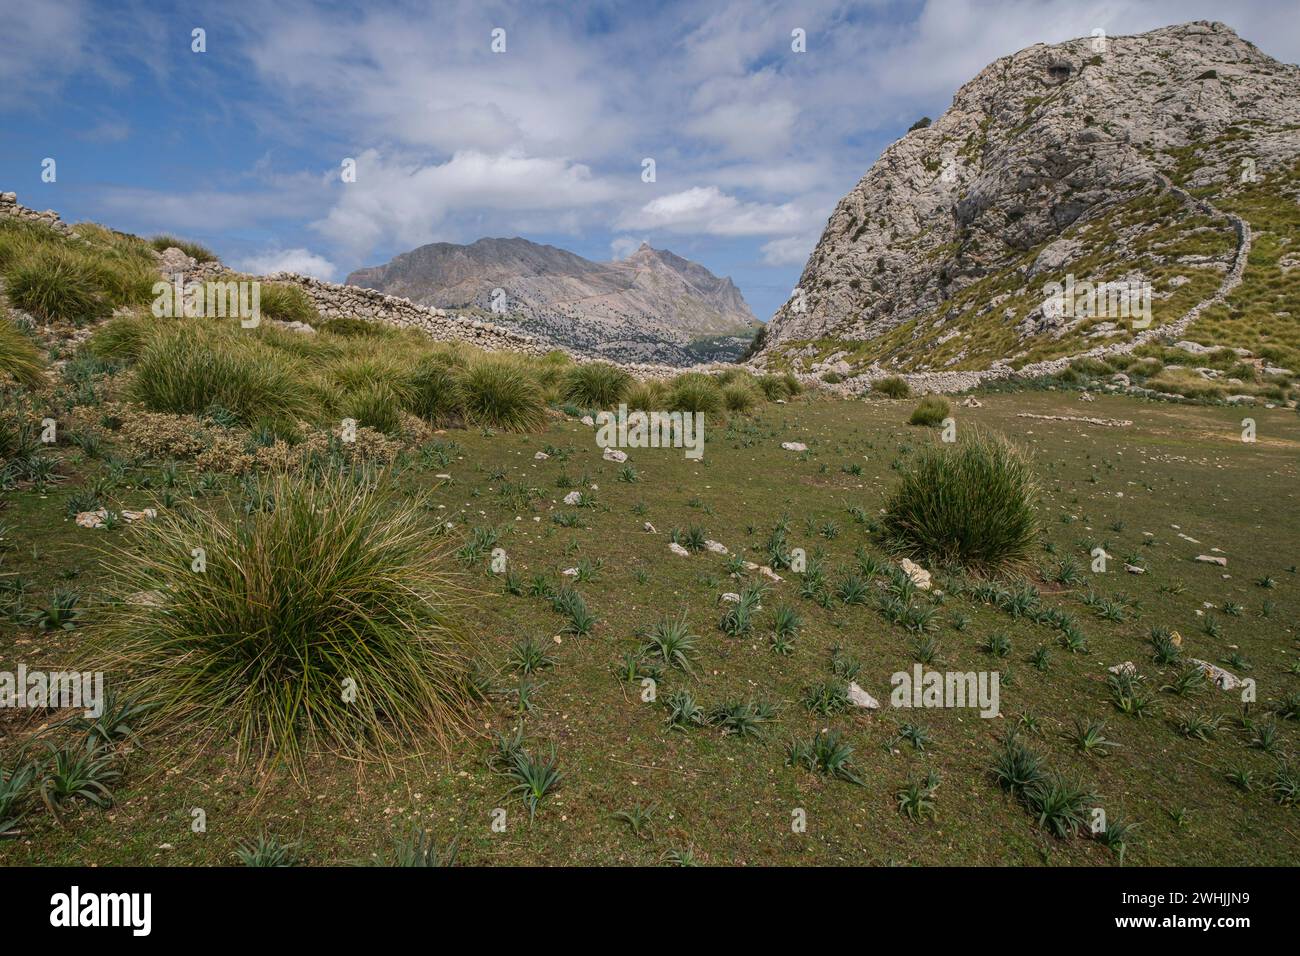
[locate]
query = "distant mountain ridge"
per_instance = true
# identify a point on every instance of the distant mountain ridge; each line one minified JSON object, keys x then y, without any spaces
{"x":653,"y":306}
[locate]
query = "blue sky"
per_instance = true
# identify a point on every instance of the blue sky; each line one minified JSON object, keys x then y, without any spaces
{"x":241,"y":147}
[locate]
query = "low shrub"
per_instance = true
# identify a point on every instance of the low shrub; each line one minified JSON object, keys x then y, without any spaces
{"x":972,"y":503}
{"x":738,"y":397}
{"x":20,"y":359}
{"x":596,"y":385}
{"x":695,"y":392}
{"x":287,"y":303}
{"x":194,"y":250}
{"x":892,"y":387}
{"x":931,"y":412}
{"x":57,"y":285}
{"x":185,"y":371}
{"x":499,"y":392}
{"x":321,"y":622}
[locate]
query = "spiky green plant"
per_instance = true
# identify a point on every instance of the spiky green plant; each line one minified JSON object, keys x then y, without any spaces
{"x":324,"y":621}
{"x":671,"y":641}
{"x":267,"y":851}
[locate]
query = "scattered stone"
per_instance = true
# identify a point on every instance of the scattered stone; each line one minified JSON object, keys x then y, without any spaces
{"x":677,"y":549}
{"x":860,"y":698}
{"x":613,"y":454}
{"x":1128,"y":668}
{"x":731,"y":597}
{"x":573,"y":497}
{"x":541,"y":456}
{"x":1086,"y":397}
{"x":1212,"y":559}
{"x":717,"y":547}
{"x":919,"y":575}
{"x":1107,"y":422}
{"x":972,"y":402}
{"x":588,"y":421}
{"x":146,"y":598}
{"x":140,"y":515}
{"x":1218,"y":676}
{"x":1134,"y":569}
{"x":794,"y":446}
{"x":570,"y":572}
{"x":649,"y":527}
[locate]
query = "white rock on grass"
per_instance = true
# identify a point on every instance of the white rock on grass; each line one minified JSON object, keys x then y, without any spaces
{"x":860,"y":698}
{"x":570,"y":572}
{"x":677,"y":549}
{"x":541,"y":456}
{"x":588,"y":421}
{"x":731,"y":597}
{"x":919,"y":575}
{"x":1134,"y":569}
{"x":1128,"y":667}
{"x":573,"y":497}
{"x":1212,"y":559}
{"x":649,"y":528}
{"x":1218,"y":676}
{"x":794,"y":446}
{"x":717,"y":547}
{"x":613,"y":454}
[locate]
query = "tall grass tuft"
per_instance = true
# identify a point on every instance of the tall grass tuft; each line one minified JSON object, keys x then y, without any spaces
{"x":972,"y":504}
{"x":893,"y":386}
{"x":596,"y":385}
{"x":57,"y":285}
{"x":194,"y":250}
{"x":287,"y":303}
{"x":695,"y":392}
{"x":20,"y":359}
{"x":185,"y":372}
{"x":321,"y":622}
{"x":435,"y":392}
{"x":931,"y":412}
{"x":500,"y":393}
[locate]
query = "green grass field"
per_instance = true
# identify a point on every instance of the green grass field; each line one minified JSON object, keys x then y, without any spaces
{"x":697,"y":793}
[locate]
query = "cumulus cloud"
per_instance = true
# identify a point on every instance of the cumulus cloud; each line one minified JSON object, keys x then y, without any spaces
{"x":789,"y":251}
{"x":302,"y":261}
{"x":408,"y":203}
{"x":623,"y":246}
{"x":706,"y":209}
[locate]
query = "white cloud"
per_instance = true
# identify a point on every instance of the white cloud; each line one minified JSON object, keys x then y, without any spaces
{"x":407,"y":203}
{"x":623,"y":246}
{"x":707,"y":209}
{"x":301,"y":261}
{"x":790,"y":251}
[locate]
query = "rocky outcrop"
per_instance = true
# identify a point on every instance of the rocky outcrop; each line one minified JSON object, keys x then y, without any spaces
{"x":1029,"y":175}
{"x":10,"y":208}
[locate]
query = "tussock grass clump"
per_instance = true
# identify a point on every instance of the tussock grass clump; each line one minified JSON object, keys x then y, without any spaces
{"x":596,"y":385}
{"x":321,"y":622}
{"x":287,"y":303}
{"x":435,"y":393}
{"x":375,"y":405}
{"x":20,"y":359}
{"x":695,"y":392}
{"x":972,"y":504}
{"x":499,"y":392}
{"x":57,"y":285}
{"x":892,"y":387}
{"x":194,"y":250}
{"x":739,"y":397}
{"x":931,"y":412}
{"x":355,"y":328}
{"x":123,"y":338}
{"x":185,"y":372}
{"x":647,"y":396}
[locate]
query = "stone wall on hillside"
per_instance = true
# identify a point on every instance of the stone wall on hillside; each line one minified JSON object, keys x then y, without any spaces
{"x":11,"y":208}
